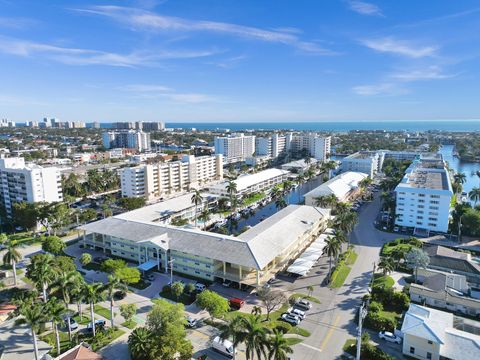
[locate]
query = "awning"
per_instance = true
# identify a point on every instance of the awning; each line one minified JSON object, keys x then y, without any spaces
{"x":147,"y":265}
{"x":302,"y":265}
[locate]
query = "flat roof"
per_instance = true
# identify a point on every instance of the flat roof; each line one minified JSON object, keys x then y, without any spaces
{"x":299,"y":163}
{"x":360,"y":155}
{"x":255,"y":248}
{"x":159,"y":210}
{"x":426,"y":178}
{"x":245,"y":181}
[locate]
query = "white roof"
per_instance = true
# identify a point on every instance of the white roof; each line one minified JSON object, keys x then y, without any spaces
{"x":339,"y":186}
{"x":309,"y":257}
{"x":245,"y":181}
{"x":438,"y":326}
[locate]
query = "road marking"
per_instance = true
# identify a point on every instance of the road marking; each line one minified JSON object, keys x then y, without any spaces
{"x":329,"y":333}
{"x":311,"y":347}
{"x":205,"y":336}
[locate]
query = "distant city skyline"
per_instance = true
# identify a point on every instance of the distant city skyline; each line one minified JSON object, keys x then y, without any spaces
{"x":228,"y":61}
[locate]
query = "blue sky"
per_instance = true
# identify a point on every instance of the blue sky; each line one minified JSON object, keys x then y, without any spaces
{"x":232,"y":60}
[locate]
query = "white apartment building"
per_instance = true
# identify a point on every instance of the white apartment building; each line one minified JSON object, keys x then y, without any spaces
{"x":317,"y":146}
{"x":132,"y":139}
{"x":7,"y":123}
{"x":424,"y":196}
{"x":367,"y":162}
{"x":27,"y":182}
{"x":271,"y":146}
{"x":154,"y":180}
{"x":235,"y":148}
{"x":247,"y":184}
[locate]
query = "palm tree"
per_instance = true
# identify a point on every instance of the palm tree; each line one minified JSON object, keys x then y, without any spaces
{"x":204,"y":216}
{"x":327,"y":201}
{"x":197,"y":199}
{"x":286,"y":186}
{"x":255,"y":337}
{"x":78,"y":293}
{"x":278,"y":347}
{"x":275,"y":192}
{"x":386,"y":264}
{"x":332,"y":250}
{"x":55,"y":311}
{"x":231,"y":190}
{"x":64,"y":283}
{"x":346,"y":221}
{"x":474,"y":195}
{"x":300,"y":179}
{"x":93,"y":293}
{"x":32,"y":314}
{"x":256,"y":310}
{"x":140,"y":343}
{"x":280,"y":203}
{"x":310,"y":290}
{"x":44,"y":274}
{"x":12,"y":256}
{"x":365,"y":182}
{"x":460,"y":178}
{"x":233,"y":329}
{"x":114,"y":283}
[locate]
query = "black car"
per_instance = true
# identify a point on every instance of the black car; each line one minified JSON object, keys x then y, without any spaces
{"x":99,"y":325}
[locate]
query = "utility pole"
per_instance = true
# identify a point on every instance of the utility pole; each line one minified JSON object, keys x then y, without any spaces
{"x":362,"y":313}
{"x":170,"y":262}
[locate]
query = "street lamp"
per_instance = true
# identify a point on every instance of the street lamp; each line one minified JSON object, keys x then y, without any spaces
{"x":170,"y":262}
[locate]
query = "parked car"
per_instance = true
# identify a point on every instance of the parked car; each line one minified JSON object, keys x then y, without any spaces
{"x":227,"y":283}
{"x":303,"y":304}
{"x":291,"y":319}
{"x":99,"y":325}
{"x":301,"y":314}
{"x":388,"y":336}
{"x":99,"y":259}
{"x":150,"y":277}
{"x":200,"y":287}
{"x":224,"y":347}
{"x":73,"y":324}
{"x":191,"y":322}
{"x":236,"y":303}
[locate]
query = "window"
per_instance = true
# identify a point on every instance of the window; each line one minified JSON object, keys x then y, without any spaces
{"x":434,"y":207}
{"x":419,"y":223}
{"x":430,"y":342}
{"x":432,"y":224}
{"x":429,"y":355}
{"x":412,"y":350}
{"x":421,"y":206}
{"x":420,"y":211}
{"x":434,"y":202}
{"x":421,"y":201}
{"x":419,"y":217}
{"x":432,"y":219}
{"x":435,"y":196}
{"x":421,"y":195}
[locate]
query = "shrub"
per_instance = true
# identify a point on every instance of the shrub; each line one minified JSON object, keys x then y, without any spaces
{"x":280,"y":326}
{"x":377,"y":321}
{"x":399,"y":301}
{"x":375,"y":307}
{"x":166,"y":289}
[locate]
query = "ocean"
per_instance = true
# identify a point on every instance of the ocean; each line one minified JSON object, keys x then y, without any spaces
{"x":337,"y":126}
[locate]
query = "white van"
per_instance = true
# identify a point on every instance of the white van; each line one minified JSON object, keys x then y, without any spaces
{"x":200,"y":287}
{"x":224,"y":347}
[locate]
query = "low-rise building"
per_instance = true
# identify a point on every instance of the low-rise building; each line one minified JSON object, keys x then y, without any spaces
{"x":299,"y":166}
{"x":247,"y":184}
{"x":343,"y":186}
{"x":151,"y":181}
{"x":433,"y":334}
{"x":423,"y":197}
{"x":446,"y":291}
{"x":250,"y":259}
{"x":368,"y":162}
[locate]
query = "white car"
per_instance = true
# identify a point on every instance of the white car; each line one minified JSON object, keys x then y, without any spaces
{"x":303,"y":304}
{"x":297,"y":312}
{"x":191,"y":322}
{"x":388,"y":336}
{"x":291,"y":319}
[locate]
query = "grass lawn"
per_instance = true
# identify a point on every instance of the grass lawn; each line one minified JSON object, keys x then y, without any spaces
{"x":339,"y":275}
{"x":351,"y":257}
{"x":303,"y":296}
{"x":102,"y":311}
{"x":350,"y":346}
{"x":385,"y":281}
{"x":391,"y":314}
{"x":184,"y":298}
{"x":64,"y":342}
{"x":293,"y":341}
{"x":130,"y":324}
{"x":85,"y":318}
{"x":254,"y":198}
{"x":299,"y":331}
{"x":142,"y":284}
{"x":100,"y":341}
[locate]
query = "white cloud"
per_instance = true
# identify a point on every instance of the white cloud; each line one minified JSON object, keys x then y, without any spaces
{"x":429,"y":73}
{"x":365,"y":8}
{"x":16,"y":22}
{"x":153,"y":91}
{"x":77,"y":56}
{"x":145,"y":20}
{"x":389,"y":89}
{"x":399,"y":47}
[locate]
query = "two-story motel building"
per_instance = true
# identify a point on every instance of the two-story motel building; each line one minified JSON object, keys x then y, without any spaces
{"x":251,"y":259}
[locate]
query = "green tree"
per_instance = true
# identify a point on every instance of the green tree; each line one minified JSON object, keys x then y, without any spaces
{"x":86,"y":259}
{"x":112,"y":265}
{"x":197,"y":199}
{"x":332,"y":250}
{"x":132,"y":203}
{"x":326,"y":201}
{"x":53,"y":245}
{"x":204,"y":216}
{"x":93,"y":293}
{"x":470,"y":222}
{"x":55,"y":311}
{"x":87,"y":215}
{"x":12,"y":256}
{"x":26,"y":214}
{"x":33,"y":314}
{"x":280,"y":203}
{"x":255,"y":338}
{"x":233,"y":329}
{"x":128,"y":311}
{"x":474,"y":195}
{"x":55,"y":215}
{"x":278,"y":346}
{"x":216,"y":305}
{"x":128,"y":275}
{"x":417,"y":258}
{"x":64,"y":283}
{"x":232,"y":191}
{"x":177,"y":289}
{"x":386,"y":264}
{"x":141,"y":344}
{"x":114,"y":283}
{"x":42,"y":272}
